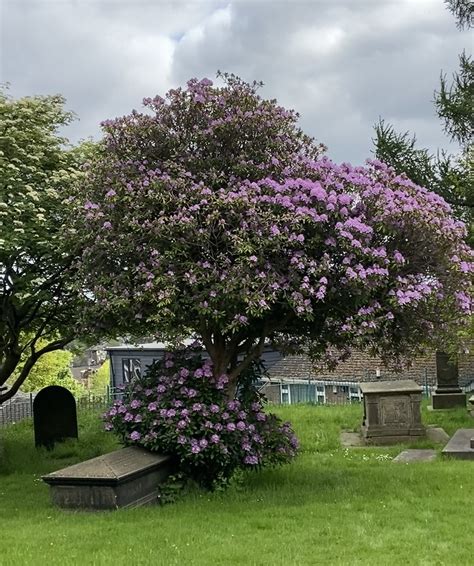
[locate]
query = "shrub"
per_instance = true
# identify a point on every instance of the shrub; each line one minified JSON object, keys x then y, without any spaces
{"x":178,"y":407}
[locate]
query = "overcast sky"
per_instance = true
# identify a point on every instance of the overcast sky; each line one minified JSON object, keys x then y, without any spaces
{"x":340,"y":63}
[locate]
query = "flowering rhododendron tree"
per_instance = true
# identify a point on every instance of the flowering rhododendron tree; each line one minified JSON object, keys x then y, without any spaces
{"x":211,"y":214}
{"x":179,"y":407}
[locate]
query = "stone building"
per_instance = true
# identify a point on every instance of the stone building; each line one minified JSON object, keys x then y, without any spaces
{"x":294,"y":378}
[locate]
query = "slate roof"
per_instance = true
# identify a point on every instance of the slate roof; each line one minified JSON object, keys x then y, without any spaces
{"x":360,"y":367}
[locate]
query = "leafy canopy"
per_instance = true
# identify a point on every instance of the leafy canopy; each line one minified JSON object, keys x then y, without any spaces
{"x":101,"y":379}
{"x":36,"y":173}
{"x":463,"y":10}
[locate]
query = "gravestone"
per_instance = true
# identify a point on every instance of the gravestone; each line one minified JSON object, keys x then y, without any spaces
{"x":448,"y":394}
{"x":54,"y":416}
{"x":129,"y":477}
{"x":392,"y":412}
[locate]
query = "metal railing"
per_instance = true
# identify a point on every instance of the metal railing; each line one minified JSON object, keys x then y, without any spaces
{"x":21,"y":407}
{"x":17,"y":409}
{"x":280,"y":393}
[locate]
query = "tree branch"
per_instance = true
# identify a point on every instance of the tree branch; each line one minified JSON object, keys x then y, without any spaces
{"x":254,"y":353}
{"x":30,"y":362}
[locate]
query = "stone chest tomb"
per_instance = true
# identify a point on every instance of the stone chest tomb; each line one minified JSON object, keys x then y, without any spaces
{"x":125,"y":478}
{"x":392,"y":412}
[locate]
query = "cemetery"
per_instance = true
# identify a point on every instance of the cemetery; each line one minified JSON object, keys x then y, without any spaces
{"x":328,"y":494}
{"x":223,"y":341}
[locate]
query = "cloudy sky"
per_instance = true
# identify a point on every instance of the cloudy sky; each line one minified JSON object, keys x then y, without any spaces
{"x":340,"y":63}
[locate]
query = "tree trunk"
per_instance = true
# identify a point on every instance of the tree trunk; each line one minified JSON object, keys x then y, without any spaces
{"x":225,"y":361}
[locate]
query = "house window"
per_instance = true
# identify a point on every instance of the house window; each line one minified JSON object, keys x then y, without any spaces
{"x":285,"y":394}
{"x":354,"y":394}
{"x":131,"y":368}
{"x":320,"y":394}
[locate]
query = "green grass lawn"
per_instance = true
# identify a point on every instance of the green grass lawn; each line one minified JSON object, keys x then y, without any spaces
{"x":331,"y":506}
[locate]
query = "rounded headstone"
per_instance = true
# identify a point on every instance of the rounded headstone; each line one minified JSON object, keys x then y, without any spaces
{"x":54,"y":416}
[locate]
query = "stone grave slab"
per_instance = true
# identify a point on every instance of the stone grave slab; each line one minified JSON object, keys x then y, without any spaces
{"x":392,"y":412}
{"x":437,"y":434}
{"x":124,"y":478}
{"x":350,"y":439}
{"x":54,"y":416}
{"x":461,"y":445}
{"x":414,"y":455}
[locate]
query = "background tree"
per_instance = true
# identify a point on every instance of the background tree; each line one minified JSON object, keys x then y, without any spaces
{"x":53,"y":368}
{"x":213,"y":215}
{"x":37,"y":302}
{"x":101,"y":379}
{"x":463,"y":10}
{"x":448,"y":175}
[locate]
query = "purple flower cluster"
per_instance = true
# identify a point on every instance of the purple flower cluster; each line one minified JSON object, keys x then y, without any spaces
{"x":181,"y":409}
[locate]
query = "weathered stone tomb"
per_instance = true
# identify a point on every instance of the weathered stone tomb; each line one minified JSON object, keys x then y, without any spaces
{"x":129,"y":477}
{"x":392,"y":412}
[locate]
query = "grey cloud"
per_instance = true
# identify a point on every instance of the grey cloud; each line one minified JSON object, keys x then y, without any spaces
{"x":341,"y":64}
{"x":103,"y":56}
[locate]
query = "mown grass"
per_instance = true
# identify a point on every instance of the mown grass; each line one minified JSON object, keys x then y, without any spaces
{"x":331,"y":506}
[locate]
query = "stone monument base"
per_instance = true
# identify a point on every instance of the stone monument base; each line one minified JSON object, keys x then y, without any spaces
{"x":125,"y":478}
{"x":384,"y":439}
{"x":448,"y":400}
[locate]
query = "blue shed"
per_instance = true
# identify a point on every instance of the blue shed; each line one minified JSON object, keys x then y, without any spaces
{"x":128,"y":360}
